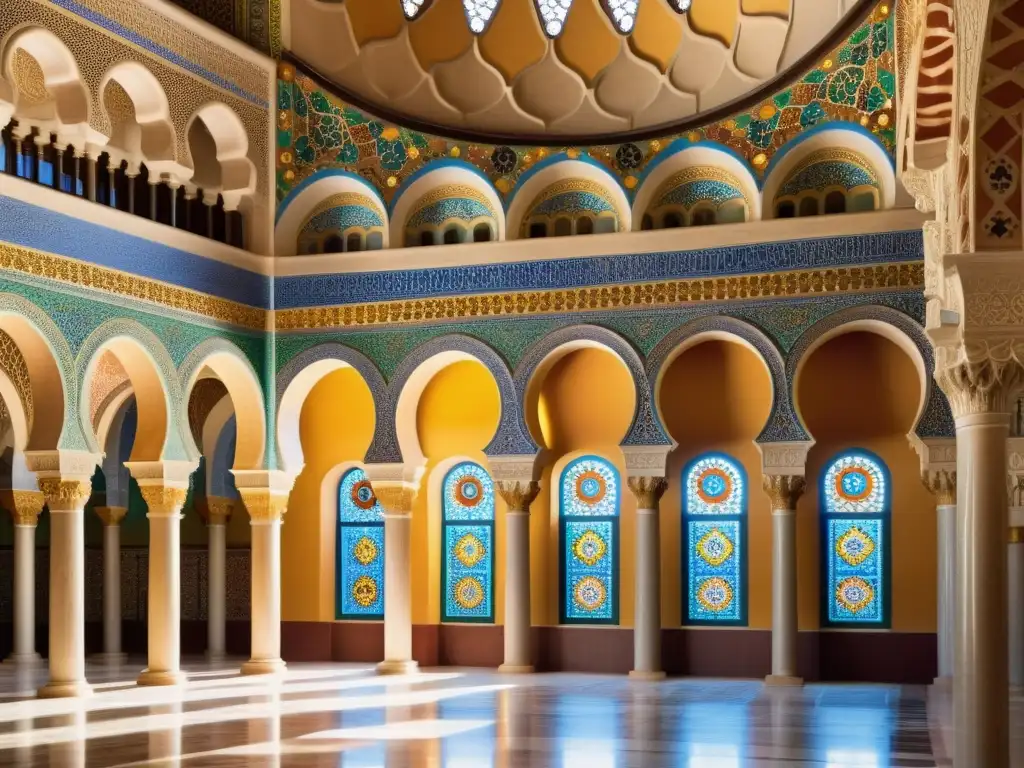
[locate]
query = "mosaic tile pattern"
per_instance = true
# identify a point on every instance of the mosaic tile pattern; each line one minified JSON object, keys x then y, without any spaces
{"x":467,"y":582}
{"x":826,"y":174}
{"x":691,"y":193}
{"x":360,"y":549}
{"x":855,"y":84}
{"x":461,"y":209}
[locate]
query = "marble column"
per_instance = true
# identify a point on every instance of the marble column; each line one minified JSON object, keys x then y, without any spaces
{"x":164,"y":501}
{"x":518,"y":496}
{"x":1016,"y":606}
{"x":647,"y":584}
{"x":784,"y":492}
{"x":25,"y":509}
{"x":942,"y":484}
{"x":217,"y":513}
{"x":65,"y":498}
{"x":266,"y":510}
{"x":977,"y":392}
{"x":396,"y":497}
{"x":112,"y":517}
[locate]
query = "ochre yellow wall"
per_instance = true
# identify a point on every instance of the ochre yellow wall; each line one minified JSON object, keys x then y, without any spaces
{"x":583,"y":406}
{"x":716,"y":396}
{"x":336,"y":425}
{"x":457,"y":415}
{"x":862,"y":391}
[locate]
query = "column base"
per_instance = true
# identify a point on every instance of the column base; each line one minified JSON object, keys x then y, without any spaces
{"x":398,"y":668}
{"x":642,"y":675}
{"x":150,"y":677}
{"x":74,"y":690}
{"x":114,"y":659}
{"x":945,"y":682}
{"x":215,"y":656}
{"x":263,"y":667}
{"x":24,"y":659}
{"x":782,"y":681}
{"x":516,"y":669}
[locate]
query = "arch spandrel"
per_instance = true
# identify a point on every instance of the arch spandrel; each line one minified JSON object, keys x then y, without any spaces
{"x":646,"y":427}
{"x":782,"y":425}
{"x":512,"y":437}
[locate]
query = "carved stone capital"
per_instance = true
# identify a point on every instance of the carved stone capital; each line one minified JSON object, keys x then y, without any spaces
{"x":784,"y":490}
{"x":982,"y":385}
{"x":518,"y":495}
{"x":784,"y":458}
{"x":264,"y":505}
{"x":65,"y":495}
{"x":647,"y":490}
{"x":111,"y":515}
{"x":163,"y":500}
{"x":217,"y":510}
{"x":942,"y":485}
{"x":25,"y":506}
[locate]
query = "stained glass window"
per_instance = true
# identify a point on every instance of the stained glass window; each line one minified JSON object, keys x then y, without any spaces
{"x":468,"y":535}
{"x":589,"y":522}
{"x":360,"y":549}
{"x":855,"y":493}
{"x":715,"y":541}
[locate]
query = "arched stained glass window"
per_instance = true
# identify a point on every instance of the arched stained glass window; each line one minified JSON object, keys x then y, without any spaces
{"x":467,"y":585}
{"x":715,"y":541}
{"x":360,"y":549}
{"x":855,"y":498}
{"x":589,"y":525}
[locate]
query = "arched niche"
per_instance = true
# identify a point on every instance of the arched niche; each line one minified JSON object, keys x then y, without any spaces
{"x":450,"y":214}
{"x":342,"y":223}
{"x":48,"y":86}
{"x":138,"y":114}
{"x":218,"y":152}
{"x":423,"y":194}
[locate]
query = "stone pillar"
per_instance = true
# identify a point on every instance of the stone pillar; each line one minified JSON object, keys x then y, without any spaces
{"x":25,"y":509}
{"x":112,"y":517}
{"x":266,"y":507}
{"x":66,"y":495}
{"x":784,"y":492}
{"x":217,"y":512}
{"x":977,"y":393}
{"x":1016,"y":606}
{"x":518,"y":496}
{"x":647,"y":582}
{"x":942,"y":484}
{"x":396,"y":497}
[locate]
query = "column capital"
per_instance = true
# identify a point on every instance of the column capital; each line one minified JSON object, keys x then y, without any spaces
{"x":217,"y":510}
{"x":163,"y":500}
{"x":941,"y":483}
{"x":1017,"y":535}
{"x":111,"y":515}
{"x":517,"y":494}
{"x":647,"y":489}
{"x":25,"y":506}
{"x":65,"y":495}
{"x":784,"y":490}
{"x":789,"y":458}
{"x":975,"y":381}
{"x":264,"y":505}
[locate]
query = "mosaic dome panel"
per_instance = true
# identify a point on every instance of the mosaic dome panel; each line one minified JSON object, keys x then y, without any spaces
{"x":843,"y":169}
{"x":691,"y":193}
{"x":461,"y":208}
{"x":341,"y":212}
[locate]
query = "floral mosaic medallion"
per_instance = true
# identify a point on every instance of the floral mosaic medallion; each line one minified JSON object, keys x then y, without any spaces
{"x":714,"y":486}
{"x":469,"y":593}
{"x":589,"y":593}
{"x":855,"y":546}
{"x":590,"y":487}
{"x":365,"y":551}
{"x":589,"y":548}
{"x":362,"y":495}
{"x":715,"y":594}
{"x":715,"y":547}
{"x":854,"y":484}
{"x":469,"y":491}
{"x":854,"y":594}
{"x":470,"y":550}
{"x":364,"y":591}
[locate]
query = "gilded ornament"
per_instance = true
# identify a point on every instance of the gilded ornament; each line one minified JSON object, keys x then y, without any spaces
{"x":589,"y":548}
{"x":715,"y":548}
{"x":163,"y":500}
{"x":715,"y":594}
{"x":218,"y":510}
{"x":589,"y":594}
{"x":364,"y":591}
{"x":854,"y":546}
{"x":518,"y":496}
{"x":941,"y":484}
{"x":647,"y":490}
{"x":469,"y":550}
{"x":784,"y":490}
{"x":854,"y":594}
{"x":111,"y":515}
{"x":65,"y":495}
{"x":469,"y":593}
{"x":25,"y":506}
{"x":365,"y":551}
{"x":262,"y":505}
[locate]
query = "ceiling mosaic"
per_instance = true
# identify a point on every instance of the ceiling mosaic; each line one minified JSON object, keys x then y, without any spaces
{"x":511,"y":69}
{"x":855,"y":83}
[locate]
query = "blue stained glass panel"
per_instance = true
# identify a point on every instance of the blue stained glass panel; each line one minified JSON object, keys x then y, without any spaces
{"x":590,"y":572}
{"x":361,"y":587}
{"x":468,"y":583}
{"x":590,"y":486}
{"x":715,"y":573}
{"x":856,"y":562}
{"x":468,"y":493}
{"x":356,"y":500}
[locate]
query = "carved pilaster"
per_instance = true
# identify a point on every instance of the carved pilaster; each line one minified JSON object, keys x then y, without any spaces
{"x":941,"y":484}
{"x":518,"y":495}
{"x":784,"y":490}
{"x":65,"y":495}
{"x":263,"y":505}
{"x":111,"y":515}
{"x":648,"y":490}
{"x":25,"y":506}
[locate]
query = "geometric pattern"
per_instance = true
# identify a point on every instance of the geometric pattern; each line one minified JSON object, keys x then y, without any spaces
{"x":589,"y":530}
{"x":360,"y":549}
{"x":467,"y":583}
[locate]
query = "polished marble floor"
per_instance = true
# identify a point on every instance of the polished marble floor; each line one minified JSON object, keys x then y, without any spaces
{"x":346,"y":717}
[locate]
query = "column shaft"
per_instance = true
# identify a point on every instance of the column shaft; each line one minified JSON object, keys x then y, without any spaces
{"x":112,"y":589}
{"x":946,"y":588}
{"x":981,"y":691}
{"x":1016,"y":606}
{"x":266,"y":513}
{"x":24,"y":594}
{"x":784,"y":616}
{"x":397,"y":605}
{"x":215,"y":601}
{"x":647,"y":624}
{"x":518,"y":656}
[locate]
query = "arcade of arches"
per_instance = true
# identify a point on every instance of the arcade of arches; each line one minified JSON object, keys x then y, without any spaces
{"x":655,"y":339}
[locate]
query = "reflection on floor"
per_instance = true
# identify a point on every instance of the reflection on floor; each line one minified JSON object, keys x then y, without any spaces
{"x":345,"y":716}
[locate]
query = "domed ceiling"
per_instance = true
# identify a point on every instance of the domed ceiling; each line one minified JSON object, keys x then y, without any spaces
{"x":587,"y":69}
